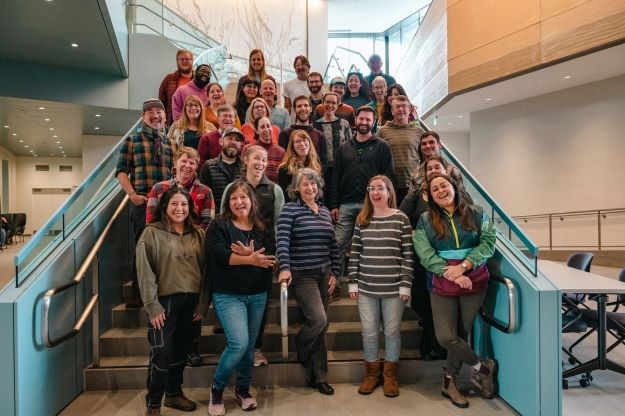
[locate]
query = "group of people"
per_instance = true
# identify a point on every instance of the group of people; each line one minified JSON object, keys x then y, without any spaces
{"x":227,"y":197}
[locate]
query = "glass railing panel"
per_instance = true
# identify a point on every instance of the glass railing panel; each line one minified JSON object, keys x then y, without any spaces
{"x":100,"y":182}
{"x":217,"y":59}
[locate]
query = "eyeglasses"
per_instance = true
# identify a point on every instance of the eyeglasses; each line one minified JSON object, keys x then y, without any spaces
{"x":251,"y":86}
{"x":376,"y":188}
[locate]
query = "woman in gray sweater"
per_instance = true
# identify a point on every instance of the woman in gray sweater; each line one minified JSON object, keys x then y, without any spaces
{"x":169,"y":264}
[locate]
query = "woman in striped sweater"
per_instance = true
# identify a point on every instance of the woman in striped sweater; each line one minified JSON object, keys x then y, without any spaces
{"x":380,"y":277}
{"x":308,"y":258}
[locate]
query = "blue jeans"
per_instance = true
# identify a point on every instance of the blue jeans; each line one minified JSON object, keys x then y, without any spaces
{"x":391,"y":310}
{"x":344,"y":228}
{"x":240,"y":316}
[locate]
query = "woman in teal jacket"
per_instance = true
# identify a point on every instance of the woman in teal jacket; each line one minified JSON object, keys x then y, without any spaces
{"x":454,"y":240}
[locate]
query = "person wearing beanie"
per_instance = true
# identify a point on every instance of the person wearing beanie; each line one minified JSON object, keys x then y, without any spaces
{"x":145,"y":159}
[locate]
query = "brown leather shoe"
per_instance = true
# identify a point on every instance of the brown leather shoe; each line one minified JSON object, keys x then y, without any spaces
{"x":391,"y":387}
{"x":153,"y":411}
{"x":452,"y":393}
{"x":179,"y":402}
{"x":372,"y":378}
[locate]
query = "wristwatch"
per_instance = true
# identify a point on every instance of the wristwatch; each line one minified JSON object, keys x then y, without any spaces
{"x":464,"y":265}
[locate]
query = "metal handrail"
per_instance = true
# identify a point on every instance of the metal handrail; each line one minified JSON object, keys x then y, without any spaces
{"x":78,"y":277}
{"x":284,"y":319}
{"x":571,"y":213}
{"x":513,"y":322}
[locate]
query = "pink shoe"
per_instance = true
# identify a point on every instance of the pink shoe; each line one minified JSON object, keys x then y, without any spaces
{"x":216,"y":403}
{"x":243,"y":398}
{"x":259,"y":358}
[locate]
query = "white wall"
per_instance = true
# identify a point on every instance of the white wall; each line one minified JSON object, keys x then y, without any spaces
{"x":563,"y":151}
{"x":317,"y":35}
{"x":5,"y":154}
{"x":94,"y":149}
{"x":458,"y":142}
{"x":28,"y":178}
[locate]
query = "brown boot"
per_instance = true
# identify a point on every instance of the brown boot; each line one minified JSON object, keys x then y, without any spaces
{"x":372,"y":378}
{"x":391,"y":388}
{"x":451,"y":392}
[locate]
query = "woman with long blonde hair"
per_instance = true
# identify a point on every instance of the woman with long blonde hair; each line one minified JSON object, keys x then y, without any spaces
{"x":380,"y":278}
{"x":192,"y":125}
{"x":300,"y":153}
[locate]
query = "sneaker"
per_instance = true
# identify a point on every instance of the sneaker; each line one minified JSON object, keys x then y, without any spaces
{"x":134,"y":303}
{"x":259,"y":358}
{"x":216,"y":404}
{"x":153,"y":411}
{"x":179,"y":402}
{"x":335,"y":295}
{"x":243,"y":398}
{"x":194,"y":359}
{"x":484,"y":378}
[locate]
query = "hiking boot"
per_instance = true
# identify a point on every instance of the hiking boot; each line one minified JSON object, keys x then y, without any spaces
{"x":372,"y":378}
{"x":391,"y":387}
{"x":153,"y":411}
{"x":259,"y":358}
{"x":179,"y":402}
{"x":484,"y":378}
{"x":451,"y":392}
{"x":216,"y":404}
{"x":194,"y":359}
{"x":243,"y":398}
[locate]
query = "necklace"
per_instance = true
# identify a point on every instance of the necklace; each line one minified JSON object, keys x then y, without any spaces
{"x":245,"y":236}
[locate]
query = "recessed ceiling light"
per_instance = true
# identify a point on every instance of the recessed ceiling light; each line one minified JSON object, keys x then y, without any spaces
{"x":31,"y":151}
{"x":74,"y":45}
{"x":55,"y":136}
{"x":6,"y":127}
{"x":460,"y":116}
{"x":60,"y":147}
{"x":51,"y":129}
{"x":567,"y":77}
{"x":64,"y":155}
{"x":449,"y":123}
{"x":58,"y":142}
{"x":488,"y":99}
{"x":35,"y":155}
{"x":42,"y":108}
{"x":46,"y":119}
{"x":62,"y":152}
{"x":98,"y":115}
{"x":14,"y":134}
{"x":96,"y":128}
{"x":25,"y":145}
{"x":21,"y":141}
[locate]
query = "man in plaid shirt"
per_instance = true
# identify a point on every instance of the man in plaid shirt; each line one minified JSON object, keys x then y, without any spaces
{"x":144,"y":160}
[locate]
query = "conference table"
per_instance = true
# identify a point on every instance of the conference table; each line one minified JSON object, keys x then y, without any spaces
{"x":570,"y":280}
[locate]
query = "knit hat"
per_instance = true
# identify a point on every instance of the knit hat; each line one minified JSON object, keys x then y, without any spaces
{"x":233,"y":131}
{"x":337,"y":80}
{"x":151,"y":103}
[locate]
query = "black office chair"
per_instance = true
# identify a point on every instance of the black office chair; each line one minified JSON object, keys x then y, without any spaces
{"x":20,"y":225}
{"x":572,"y":311}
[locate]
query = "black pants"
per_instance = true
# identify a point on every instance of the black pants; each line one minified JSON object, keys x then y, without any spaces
{"x":420,"y":298}
{"x":137,"y":216}
{"x":170,"y":346}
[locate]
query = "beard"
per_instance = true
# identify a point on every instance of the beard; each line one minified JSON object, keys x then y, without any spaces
{"x":363,"y":128}
{"x":315,"y":89}
{"x":230,"y":151}
{"x":304,"y":118}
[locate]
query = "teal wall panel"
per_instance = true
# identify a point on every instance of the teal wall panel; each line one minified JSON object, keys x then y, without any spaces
{"x":7,"y":352}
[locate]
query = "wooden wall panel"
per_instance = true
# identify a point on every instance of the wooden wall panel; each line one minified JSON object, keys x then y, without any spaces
{"x":475,"y":23}
{"x":550,"y":8}
{"x":584,"y":27}
{"x":511,"y":54}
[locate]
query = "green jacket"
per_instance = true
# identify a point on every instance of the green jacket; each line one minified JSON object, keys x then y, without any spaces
{"x":458,"y":243}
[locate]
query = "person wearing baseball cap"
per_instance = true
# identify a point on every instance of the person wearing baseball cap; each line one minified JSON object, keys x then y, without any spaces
{"x":343,"y":111}
{"x":145,"y":159}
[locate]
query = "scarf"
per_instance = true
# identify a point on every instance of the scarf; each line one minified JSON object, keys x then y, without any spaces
{"x":158,"y":136}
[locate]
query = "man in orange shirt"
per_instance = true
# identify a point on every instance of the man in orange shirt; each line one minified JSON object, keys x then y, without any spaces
{"x":178,"y":78}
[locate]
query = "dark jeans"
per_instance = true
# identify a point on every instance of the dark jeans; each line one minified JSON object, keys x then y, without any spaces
{"x":137,"y":216}
{"x":310,"y":290}
{"x":259,"y":340}
{"x":420,"y":298}
{"x":453,"y":319}
{"x":170,"y":346}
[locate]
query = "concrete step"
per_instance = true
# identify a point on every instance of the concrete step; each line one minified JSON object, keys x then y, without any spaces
{"x":122,"y":342}
{"x":126,"y":373}
{"x":343,"y":310}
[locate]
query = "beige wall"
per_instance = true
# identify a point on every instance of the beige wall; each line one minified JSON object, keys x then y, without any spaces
{"x":558,"y":152}
{"x":94,"y":149}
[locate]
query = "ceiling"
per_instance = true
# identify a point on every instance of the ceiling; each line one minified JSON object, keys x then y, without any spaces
{"x":29,"y":127}
{"x":369,"y":16}
{"x":42,"y":31}
{"x":455,"y":115}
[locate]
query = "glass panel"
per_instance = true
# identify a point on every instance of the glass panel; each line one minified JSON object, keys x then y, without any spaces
{"x":348,"y":53}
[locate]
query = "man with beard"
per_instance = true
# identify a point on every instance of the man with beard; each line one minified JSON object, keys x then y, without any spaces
{"x":198,"y":86}
{"x":357,"y":160}
{"x":217,"y":173}
{"x":210,"y":144}
{"x":297,"y":86}
{"x":178,"y":78}
{"x":302,"y":110}
{"x":315,"y":86}
{"x":145,"y":159}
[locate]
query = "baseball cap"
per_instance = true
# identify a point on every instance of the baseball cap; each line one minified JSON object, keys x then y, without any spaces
{"x":233,"y":131}
{"x":337,"y":80}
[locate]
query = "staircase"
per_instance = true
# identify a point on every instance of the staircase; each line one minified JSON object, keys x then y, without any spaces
{"x":125,"y":349}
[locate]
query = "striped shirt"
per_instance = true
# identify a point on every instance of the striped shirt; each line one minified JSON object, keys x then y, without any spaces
{"x":306,"y":239}
{"x":381,"y":259}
